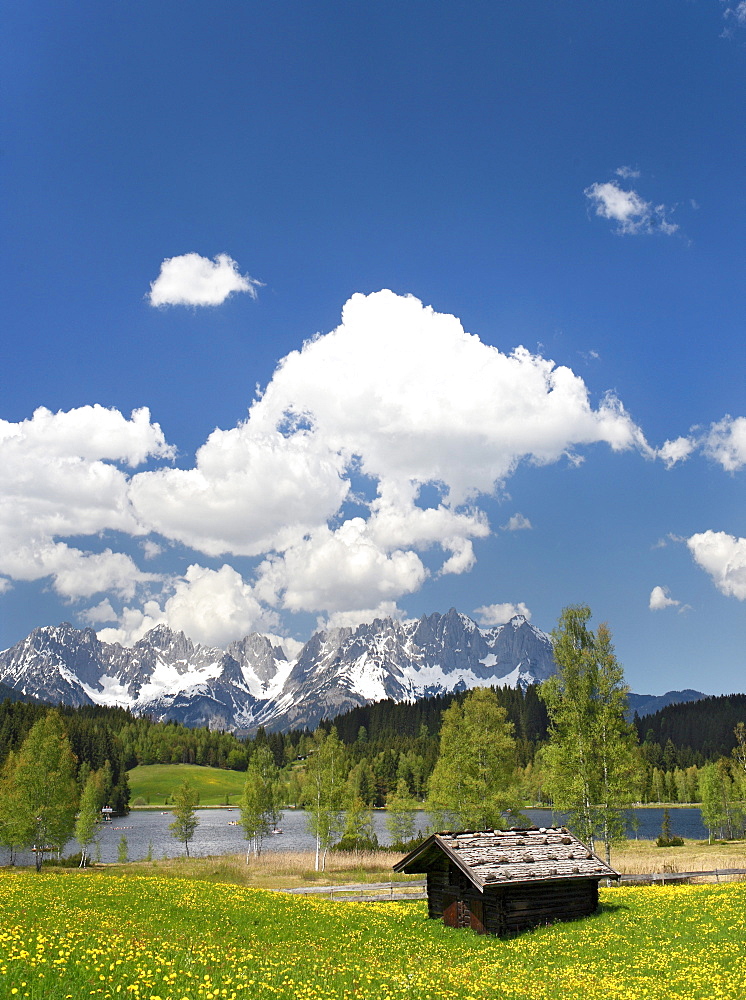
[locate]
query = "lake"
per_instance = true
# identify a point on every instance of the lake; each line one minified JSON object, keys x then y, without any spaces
{"x":146,"y":829}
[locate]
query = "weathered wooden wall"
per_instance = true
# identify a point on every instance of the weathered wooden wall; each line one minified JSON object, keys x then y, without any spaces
{"x":507,"y":909}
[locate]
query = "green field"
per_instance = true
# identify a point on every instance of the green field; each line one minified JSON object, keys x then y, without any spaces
{"x":154,"y":783}
{"x":68,"y":935}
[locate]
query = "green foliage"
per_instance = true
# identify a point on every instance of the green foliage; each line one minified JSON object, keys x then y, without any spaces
{"x":359,"y":834}
{"x":474,"y":781}
{"x":89,"y":812}
{"x":699,"y":731}
{"x":44,"y":787}
{"x":722,"y":812}
{"x":591,"y":764}
{"x":185,"y":821}
{"x":326,"y":780}
{"x":400,"y":819}
{"x":666,"y":838}
{"x":12,"y":828}
{"x":123,"y":850}
{"x":260,"y":801}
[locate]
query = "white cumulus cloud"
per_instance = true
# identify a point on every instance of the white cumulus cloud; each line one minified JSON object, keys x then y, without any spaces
{"x":660,"y":599}
{"x":338,"y":570}
{"x":362,"y":616}
{"x":723,"y":556}
{"x":398,"y":397}
{"x":677,"y":450}
{"x":214,"y":607}
{"x":628,"y":209}
{"x":498,"y":614}
{"x":62,"y":478}
{"x":725,"y":443}
{"x":192,"y":280}
{"x":628,"y":173}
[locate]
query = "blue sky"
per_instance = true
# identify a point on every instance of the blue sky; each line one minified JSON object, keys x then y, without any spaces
{"x":313,"y":312}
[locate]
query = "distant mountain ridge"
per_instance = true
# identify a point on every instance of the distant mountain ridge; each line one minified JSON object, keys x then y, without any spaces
{"x":648,"y":704}
{"x":253,"y":682}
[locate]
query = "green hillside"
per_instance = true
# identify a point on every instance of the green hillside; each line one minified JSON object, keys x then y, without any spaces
{"x":152,"y":784}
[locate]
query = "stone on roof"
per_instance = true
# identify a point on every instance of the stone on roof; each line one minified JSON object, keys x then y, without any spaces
{"x":494,"y":857}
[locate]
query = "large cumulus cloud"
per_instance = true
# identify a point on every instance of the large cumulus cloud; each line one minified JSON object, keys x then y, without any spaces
{"x":324,"y":482}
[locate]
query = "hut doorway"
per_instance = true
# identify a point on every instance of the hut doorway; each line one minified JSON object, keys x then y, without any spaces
{"x":464,"y":913}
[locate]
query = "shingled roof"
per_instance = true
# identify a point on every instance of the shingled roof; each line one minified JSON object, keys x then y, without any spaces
{"x":504,"y":857}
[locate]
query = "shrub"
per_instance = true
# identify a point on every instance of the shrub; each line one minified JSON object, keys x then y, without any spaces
{"x":351,"y":843}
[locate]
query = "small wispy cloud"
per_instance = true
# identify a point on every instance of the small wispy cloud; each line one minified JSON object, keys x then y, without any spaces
{"x":627,"y":173}
{"x":632,"y":214}
{"x":151,"y":549}
{"x":735,"y":17}
{"x":192,"y":280}
{"x":517,"y":523}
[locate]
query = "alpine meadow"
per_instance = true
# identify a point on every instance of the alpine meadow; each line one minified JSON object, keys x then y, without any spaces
{"x":372,"y":523}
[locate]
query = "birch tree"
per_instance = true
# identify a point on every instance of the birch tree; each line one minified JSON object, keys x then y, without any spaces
{"x":260,"y":808}
{"x":185,"y":800}
{"x":326,"y":779}
{"x":91,"y":800}
{"x":591,"y":758}
{"x":400,"y":813}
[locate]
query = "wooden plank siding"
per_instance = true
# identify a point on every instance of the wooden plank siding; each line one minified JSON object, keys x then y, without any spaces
{"x":505,"y":881}
{"x":506,"y":910}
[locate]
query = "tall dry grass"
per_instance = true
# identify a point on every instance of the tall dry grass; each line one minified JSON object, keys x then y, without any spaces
{"x":276,"y":869}
{"x":643,"y":857}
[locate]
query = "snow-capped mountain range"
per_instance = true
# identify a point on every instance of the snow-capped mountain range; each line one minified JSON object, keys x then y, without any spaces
{"x":253,"y":682}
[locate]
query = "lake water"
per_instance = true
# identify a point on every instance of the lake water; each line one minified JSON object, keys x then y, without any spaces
{"x":148,"y":829}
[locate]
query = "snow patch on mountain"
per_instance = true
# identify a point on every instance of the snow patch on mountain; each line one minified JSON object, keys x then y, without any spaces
{"x":254,"y":682}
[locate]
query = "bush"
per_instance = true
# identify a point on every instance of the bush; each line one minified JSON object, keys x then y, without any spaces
{"x":671,"y":842}
{"x":351,"y":843}
{"x":72,"y":861}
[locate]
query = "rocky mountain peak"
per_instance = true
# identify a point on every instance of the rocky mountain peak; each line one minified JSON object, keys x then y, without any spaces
{"x":253,"y":683}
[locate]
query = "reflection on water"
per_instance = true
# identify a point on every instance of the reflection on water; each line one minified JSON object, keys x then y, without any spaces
{"x":147,"y":831}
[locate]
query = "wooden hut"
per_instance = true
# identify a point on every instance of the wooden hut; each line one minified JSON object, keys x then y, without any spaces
{"x":504,"y":881}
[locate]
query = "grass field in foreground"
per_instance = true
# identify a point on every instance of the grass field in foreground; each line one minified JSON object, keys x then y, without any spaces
{"x":156,"y":782}
{"x":69,"y":935}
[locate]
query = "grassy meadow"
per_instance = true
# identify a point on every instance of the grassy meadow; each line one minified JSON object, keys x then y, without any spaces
{"x":154,"y":783}
{"x":65,"y":935}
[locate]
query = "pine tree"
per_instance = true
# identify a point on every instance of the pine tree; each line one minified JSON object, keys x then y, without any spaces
{"x":185,"y":800}
{"x":474,"y":782}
